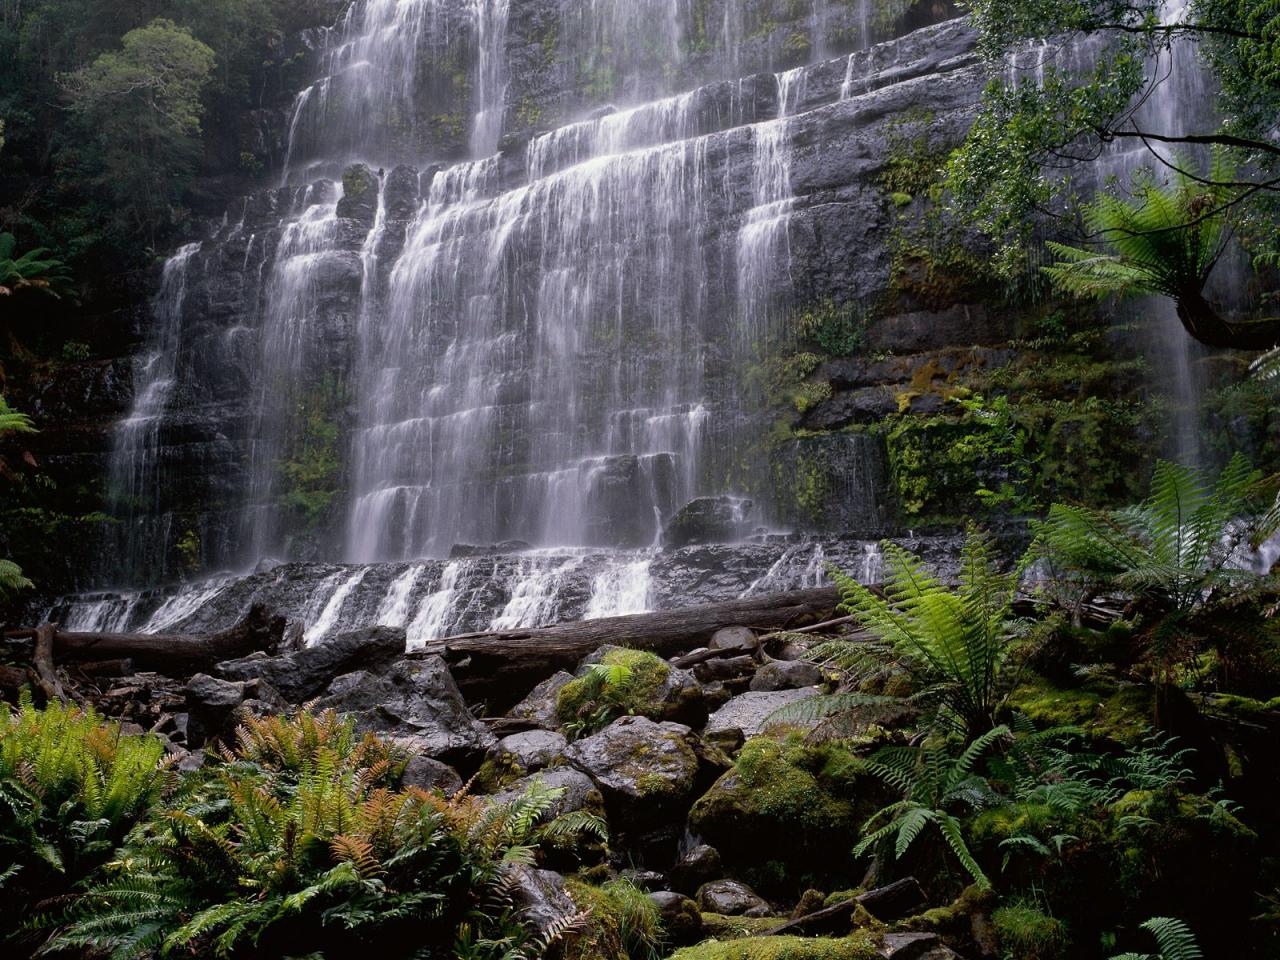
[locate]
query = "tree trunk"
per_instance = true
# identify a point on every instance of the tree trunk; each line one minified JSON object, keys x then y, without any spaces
{"x":503,"y":666}
{"x":1207,"y":325}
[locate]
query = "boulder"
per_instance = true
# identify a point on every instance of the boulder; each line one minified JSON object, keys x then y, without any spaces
{"x":708,"y":520}
{"x":908,"y":946}
{"x":532,"y":750}
{"x":215,"y":707}
{"x":646,"y":771}
{"x":748,"y":715}
{"x":788,"y":804}
{"x":698,"y":866}
{"x":305,"y":673}
{"x":579,"y":791}
{"x":653,"y":688}
{"x":540,"y":896}
{"x":539,"y":706}
{"x":730,"y":898}
{"x":415,"y":701}
{"x":681,"y":919}
{"x":786,"y":675}
{"x":427,"y":774}
{"x":734,"y":638}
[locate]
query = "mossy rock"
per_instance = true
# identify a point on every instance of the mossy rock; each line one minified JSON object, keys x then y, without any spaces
{"x":619,"y":915}
{"x":857,"y":947}
{"x":1104,"y":707}
{"x":642,"y":685}
{"x":1028,"y":933}
{"x":800,"y":804}
{"x":720,"y":927}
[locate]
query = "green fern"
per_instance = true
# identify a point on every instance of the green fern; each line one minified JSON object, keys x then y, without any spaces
{"x":936,"y":785}
{"x":1174,"y":941}
{"x":954,"y":641}
{"x":300,"y":841}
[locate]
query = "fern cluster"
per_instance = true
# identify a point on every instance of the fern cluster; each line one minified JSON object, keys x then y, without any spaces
{"x":1179,"y":558}
{"x":954,"y":641}
{"x":71,"y":788}
{"x":299,"y":841}
{"x":937,"y":787}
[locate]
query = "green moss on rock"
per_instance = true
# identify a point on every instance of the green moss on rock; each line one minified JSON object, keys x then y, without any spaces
{"x":635,"y":686}
{"x":800,"y":804}
{"x":857,"y":947}
{"x":1028,"y":933}
{"x":1104,"y":707}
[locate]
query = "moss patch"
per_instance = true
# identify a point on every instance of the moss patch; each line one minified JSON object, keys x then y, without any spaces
{"x":800,"y":804}
{"x":1027,"y":933}
{"x":1104,"y":707}
{"x":625,"y":682}
{"x":857,"y":947}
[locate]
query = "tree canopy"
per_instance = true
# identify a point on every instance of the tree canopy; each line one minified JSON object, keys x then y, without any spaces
{"x":1054,"y":108}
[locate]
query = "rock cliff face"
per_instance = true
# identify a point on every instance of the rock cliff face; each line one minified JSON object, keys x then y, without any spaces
{"x":574,"y":277}
{"x":558,"y":341}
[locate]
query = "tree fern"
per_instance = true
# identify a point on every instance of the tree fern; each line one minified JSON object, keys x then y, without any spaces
{"x":1164,"y":239}
{"x":954,"y":641}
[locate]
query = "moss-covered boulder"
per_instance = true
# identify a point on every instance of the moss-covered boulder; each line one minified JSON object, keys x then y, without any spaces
{"x":857,"y":947}
{"x":622,"y":922}
{"x":615,"y":682}
{"x":801,"y":806}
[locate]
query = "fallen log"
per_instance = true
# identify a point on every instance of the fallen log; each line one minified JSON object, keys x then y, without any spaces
{"x":502,"y":666}
{"x":892,"y":902}
{"x":173,"y":655}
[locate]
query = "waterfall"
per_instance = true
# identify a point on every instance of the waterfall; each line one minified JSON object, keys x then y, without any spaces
{"x":134,"y":486}
{"x":522,"y":336}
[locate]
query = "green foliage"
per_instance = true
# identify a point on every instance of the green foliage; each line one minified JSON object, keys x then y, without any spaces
{"x":1011,"y":168}
{"x":142,"y":107}
{"x":34,"y":270}
{"x":1176,"y":556}
{"x":934,"y":785}
{"x":1174,"y":941}
{"x":624,"y":682}
{"x":311,"y":472}
{"x":299,"y":842}
{"x":954,"y":642}
{"x":71,"y":787}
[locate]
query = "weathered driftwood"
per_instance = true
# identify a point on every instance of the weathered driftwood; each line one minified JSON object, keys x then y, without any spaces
{"x":170,"y":654}
{"x":42,"y":660}
{"x":505,"y":664}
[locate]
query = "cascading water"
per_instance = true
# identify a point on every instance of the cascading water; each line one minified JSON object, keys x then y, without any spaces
{"x":1178,"y":101}
{"x":532,"y":340}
